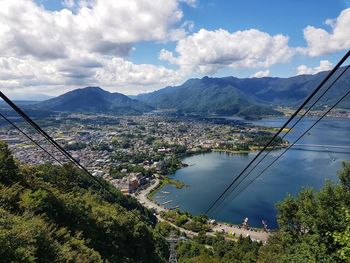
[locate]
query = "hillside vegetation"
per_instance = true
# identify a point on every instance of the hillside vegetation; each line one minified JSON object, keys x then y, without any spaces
{"x":207,"y":96}
{"x":247,"y":97}
{"x":94,"y":100}
{"x":55,"y":214}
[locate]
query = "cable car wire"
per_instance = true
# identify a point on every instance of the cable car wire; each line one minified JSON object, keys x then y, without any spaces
{"x":328,"y":76}
{"x":29,"y":138}
{"x":273,"y":147}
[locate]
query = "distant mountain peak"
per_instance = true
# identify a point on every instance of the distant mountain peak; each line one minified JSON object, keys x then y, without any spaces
{"x":90,"y":89}
{"x":244,"y":96}
{"x":95,"y":100}
{"x":93,"y":88}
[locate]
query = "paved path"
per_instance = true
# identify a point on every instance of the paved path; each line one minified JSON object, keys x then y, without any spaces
{"x":142,"y":198}
{"x":254,"y":235}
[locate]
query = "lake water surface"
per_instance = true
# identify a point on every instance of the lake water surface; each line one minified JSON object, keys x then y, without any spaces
{"x":208,"y":174}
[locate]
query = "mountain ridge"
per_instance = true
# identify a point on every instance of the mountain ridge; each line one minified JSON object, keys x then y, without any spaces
{"x":95,"y":100}
{"x":266,"y":91}
{"x":247,"y":97}
{"x":205,"y":98}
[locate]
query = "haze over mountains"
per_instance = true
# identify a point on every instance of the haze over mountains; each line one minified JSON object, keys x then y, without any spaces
{"x":206,"y":96}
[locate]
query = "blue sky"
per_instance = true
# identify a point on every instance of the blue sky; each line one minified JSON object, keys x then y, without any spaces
{"x":132,"y":46}
{"x":287,"y":17}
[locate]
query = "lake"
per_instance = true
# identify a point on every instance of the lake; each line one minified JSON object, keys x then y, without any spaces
{"x":208,"y":174}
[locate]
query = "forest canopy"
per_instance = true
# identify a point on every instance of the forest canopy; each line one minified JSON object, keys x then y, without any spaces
{"x":57,"y":214}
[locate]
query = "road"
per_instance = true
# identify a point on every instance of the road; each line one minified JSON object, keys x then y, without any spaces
{"x":142,"y":198}
{"x":254,"y":235}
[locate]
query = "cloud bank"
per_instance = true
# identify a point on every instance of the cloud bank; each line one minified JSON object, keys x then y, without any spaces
{"x":88,"y":42}
{"x":208,"y":51}
{"x":320,"y":42}
{"x":324,"y":65}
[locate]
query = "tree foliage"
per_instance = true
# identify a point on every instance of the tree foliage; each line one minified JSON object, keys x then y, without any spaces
{"x":313,"y":226}
{"x":216,"y":249}
{"x":8,"y":168}
{"x":57,"y":214}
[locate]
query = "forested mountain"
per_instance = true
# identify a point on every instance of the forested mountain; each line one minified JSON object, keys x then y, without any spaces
{"x":249,"y":97}
{"x":94,"y":100}
{"x":230,"y":95}
{"x":206,"y":96}
{"x":57,"y":214}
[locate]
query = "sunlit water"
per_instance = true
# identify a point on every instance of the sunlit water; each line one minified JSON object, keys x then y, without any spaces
{"x":208,"y":174}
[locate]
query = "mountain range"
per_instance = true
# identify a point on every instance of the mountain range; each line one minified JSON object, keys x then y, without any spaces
{"x":95,"y":100}
{"x":230,"y":95}
{"x":206,"y":96}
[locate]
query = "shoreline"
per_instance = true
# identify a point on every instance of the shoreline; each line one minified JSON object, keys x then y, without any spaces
{"x":231,"y":231}
{"x":164,"y":180}
{"x":248,"y":151}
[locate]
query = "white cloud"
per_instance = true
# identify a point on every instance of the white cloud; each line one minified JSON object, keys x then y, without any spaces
{"x":324,"y":65}
{"x":74,"y":5}
{"x":55,"y":77}
{"x":261,"y":74}
{"x":100,"y":26}
{"x":16,"y":72}
{"x":133,"y":78}
{"x":85,"y":44}
{"x":320,"y":42}
{"x":208,"y":51}
{"x":70,"y":4}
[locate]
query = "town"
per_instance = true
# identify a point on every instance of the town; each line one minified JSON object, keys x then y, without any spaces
{"x":128,"y":151}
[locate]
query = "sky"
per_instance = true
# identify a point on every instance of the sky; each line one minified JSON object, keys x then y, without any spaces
{"x":135,"y":46}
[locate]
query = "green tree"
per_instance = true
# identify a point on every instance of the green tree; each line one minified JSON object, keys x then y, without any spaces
{"x":344,"y":175}
{"x":342,"y":239}
{"x":58,"y":214}
{"x":8,"y":167}
{"x":29,"y":238}
{"x":313,"y":226}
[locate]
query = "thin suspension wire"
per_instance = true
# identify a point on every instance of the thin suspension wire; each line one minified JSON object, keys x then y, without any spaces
{"x":286,"y":133}
{"x":57,"y":146}
{"x":290,"y":146}
{"x":38,"y":129}
{"x":29,"y":138}
{"x":54,"y":143}
{"x":46,"y":136}
{"x":329,"y":75}
{"x":301,"y":117}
